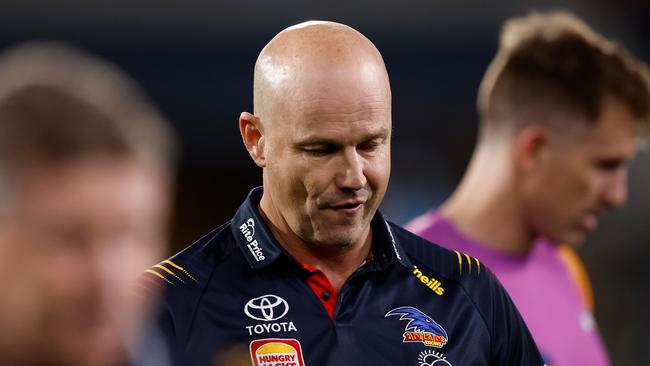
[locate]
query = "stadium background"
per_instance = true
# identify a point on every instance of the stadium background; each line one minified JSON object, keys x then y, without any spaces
{"x":195,"y":59}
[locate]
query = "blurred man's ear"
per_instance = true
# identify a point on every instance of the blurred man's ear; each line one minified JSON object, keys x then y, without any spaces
{"x":531,"y":147}
{"x":251,"y":133}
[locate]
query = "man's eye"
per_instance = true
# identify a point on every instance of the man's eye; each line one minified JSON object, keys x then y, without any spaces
{"x":609,"y":164}
{"x":317,"y":151}
{"x":368,"y":146}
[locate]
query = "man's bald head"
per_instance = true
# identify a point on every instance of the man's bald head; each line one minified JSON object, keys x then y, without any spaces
{"x":314,"y":55}
{"x":321,"y":132}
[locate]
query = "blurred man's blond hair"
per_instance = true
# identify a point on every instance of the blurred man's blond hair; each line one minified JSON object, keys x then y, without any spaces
{"x":552,"y":65}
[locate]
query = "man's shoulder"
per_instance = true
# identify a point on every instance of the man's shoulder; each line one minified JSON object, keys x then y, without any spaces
{"x":190,"y":269}
{"x":463,"y":277}
{"x":450,"y":264}
{"x":182,"y":279}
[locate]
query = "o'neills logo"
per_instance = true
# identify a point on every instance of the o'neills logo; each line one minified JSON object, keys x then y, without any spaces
{"x":248,"y":229}
{"x":276,"y":352}
{"x":430,"y":282}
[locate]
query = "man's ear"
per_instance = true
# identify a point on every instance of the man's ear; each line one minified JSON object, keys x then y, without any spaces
{"x":251,"y":133}
{"x":531,"y":147}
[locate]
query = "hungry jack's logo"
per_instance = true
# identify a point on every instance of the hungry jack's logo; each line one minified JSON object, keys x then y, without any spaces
{"x":276,"y":352}
{"x":420,"y":328}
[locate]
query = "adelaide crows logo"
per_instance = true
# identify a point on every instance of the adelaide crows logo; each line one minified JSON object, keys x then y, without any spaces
{"x":420,"y":328}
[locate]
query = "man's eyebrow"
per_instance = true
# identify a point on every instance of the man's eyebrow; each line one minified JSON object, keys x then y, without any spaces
{"x":315,"y":140}
{"x":379,"y":134}
{"x":613,"y":160}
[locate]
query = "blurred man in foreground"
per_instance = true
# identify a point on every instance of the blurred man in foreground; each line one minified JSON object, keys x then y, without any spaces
{"x":84,"y":185}
{"x":559,"y":109}
{"x":308,"y":272}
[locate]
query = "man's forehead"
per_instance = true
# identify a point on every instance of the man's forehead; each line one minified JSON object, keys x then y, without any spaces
{"x":615,"y":129}
{"x":340,"y":132}
{"x":341,"y":104}
{"x":328,"y":105}
{"x":593,"y":142}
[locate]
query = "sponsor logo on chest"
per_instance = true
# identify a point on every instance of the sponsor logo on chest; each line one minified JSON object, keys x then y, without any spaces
{"x":268,"y":309}
{"x":248,"y":230}
{"x":276,"y":352}
{"x":420,"y":327}
{"x":432,"y":358}
{"x":430,"y":282}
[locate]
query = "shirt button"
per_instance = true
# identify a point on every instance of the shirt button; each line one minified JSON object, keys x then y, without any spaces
{"x":325,"y":295}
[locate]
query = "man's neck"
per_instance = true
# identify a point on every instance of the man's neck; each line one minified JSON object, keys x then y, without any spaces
{"x":485,"y":206}
{"x":336,"y":262}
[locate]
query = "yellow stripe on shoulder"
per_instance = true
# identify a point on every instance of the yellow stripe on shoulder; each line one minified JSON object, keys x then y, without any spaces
{"x":168,"y":271}
{"x":158,"y":275}
{"x":469,"y":263}
{"x":461,"y":261}
{"x":168,"y":261}
{"x":579,"y":275}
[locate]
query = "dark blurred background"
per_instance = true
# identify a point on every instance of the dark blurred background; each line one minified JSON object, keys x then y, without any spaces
{"x":195,"y":59}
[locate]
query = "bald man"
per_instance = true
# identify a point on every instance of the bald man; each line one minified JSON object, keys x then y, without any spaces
{"x":308,"y":272}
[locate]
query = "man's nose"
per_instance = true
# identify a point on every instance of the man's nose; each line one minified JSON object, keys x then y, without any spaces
{"x":351,"y":175}
{"x":615,"y":192}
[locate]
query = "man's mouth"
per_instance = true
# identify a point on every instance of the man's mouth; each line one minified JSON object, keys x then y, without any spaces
{"x":350,"y":206}
{"x":590,"y":222}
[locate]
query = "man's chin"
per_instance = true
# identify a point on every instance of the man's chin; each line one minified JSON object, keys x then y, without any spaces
{"x":341,"y":238}
{"x":332,"y":232}
{"x":334,"y":242}
{"x":574,"y":239}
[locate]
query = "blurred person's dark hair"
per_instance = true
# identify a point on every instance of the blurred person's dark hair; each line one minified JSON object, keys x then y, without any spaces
{"x":552,"y":65}
{"x":58,"y":103}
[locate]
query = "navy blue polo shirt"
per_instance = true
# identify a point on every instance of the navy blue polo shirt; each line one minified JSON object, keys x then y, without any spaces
{"x":412,"y":303}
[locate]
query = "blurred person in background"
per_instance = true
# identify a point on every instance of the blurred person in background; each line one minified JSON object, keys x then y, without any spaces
{"x":308,"y":272}
{"x":85,"y":179}
{"x":560,"y":106}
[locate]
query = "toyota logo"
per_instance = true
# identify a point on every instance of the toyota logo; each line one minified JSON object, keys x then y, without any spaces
{"x":266,"y":308}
